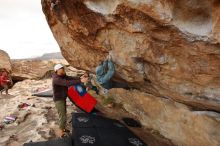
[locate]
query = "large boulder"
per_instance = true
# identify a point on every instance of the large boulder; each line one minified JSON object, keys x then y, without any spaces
{"x":167,"y":48}
{"x":175,"y":121}
{"x":39,"y":68}
{"x":5,"y":62}
{"x":34,"y":69}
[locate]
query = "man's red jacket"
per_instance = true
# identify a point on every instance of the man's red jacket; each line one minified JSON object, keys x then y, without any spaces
{"x":4,"y":79}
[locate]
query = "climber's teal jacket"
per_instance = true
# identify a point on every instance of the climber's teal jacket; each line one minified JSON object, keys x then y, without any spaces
{"x":104,"y":72}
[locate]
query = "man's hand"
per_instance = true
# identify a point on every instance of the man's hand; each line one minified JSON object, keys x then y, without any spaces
{"x":87,"y":88}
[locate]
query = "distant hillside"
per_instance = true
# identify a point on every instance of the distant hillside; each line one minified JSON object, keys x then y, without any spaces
{"x":56,"y":55}
{"x":46,"y":56}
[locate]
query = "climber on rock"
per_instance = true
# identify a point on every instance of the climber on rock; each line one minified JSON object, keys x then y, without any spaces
{"x":88,"y":83}
{"x":104,"y":74}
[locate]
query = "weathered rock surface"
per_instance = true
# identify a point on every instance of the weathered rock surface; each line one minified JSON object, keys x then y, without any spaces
{"x":39,"y":69}
{"x":168,"y":48}
{"x":173,"y":120}
{"x":5,"y":62}
{"x":33,"y":69}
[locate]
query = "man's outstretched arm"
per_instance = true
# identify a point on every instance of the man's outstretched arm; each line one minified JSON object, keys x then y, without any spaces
{"x":65,"y":82}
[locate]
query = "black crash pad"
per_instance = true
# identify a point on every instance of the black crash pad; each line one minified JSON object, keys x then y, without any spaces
{"x":57,"y":142}
{"x":119,"y":137}
{"x":106,"y":137}
{"x":100,"y":131}
{"x":84,"y":120}
{"x":86,"y":137}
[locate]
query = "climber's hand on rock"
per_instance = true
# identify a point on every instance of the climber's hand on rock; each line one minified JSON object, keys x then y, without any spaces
{"x":109,"y":57}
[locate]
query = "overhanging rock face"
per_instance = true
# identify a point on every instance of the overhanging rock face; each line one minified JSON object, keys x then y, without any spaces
{"x":166,"y":47}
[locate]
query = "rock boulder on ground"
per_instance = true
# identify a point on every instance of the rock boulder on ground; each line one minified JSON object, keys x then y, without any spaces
{"x":175,"y":121}
{"x":33,"y":69}
{"x":5,"y":62}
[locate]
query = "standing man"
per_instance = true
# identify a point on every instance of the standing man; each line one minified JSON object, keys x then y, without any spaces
{"x":4,"y":82}
{"x":60,"y":83}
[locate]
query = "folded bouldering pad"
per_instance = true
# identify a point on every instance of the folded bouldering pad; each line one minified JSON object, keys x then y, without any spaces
{"x":45,"y":93}
{"x":82,"y":99}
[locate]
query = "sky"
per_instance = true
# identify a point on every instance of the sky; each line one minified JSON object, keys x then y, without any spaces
{"x":24,"y":31}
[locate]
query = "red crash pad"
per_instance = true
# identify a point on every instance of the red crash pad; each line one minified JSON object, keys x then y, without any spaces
{"x":86,"y":102}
